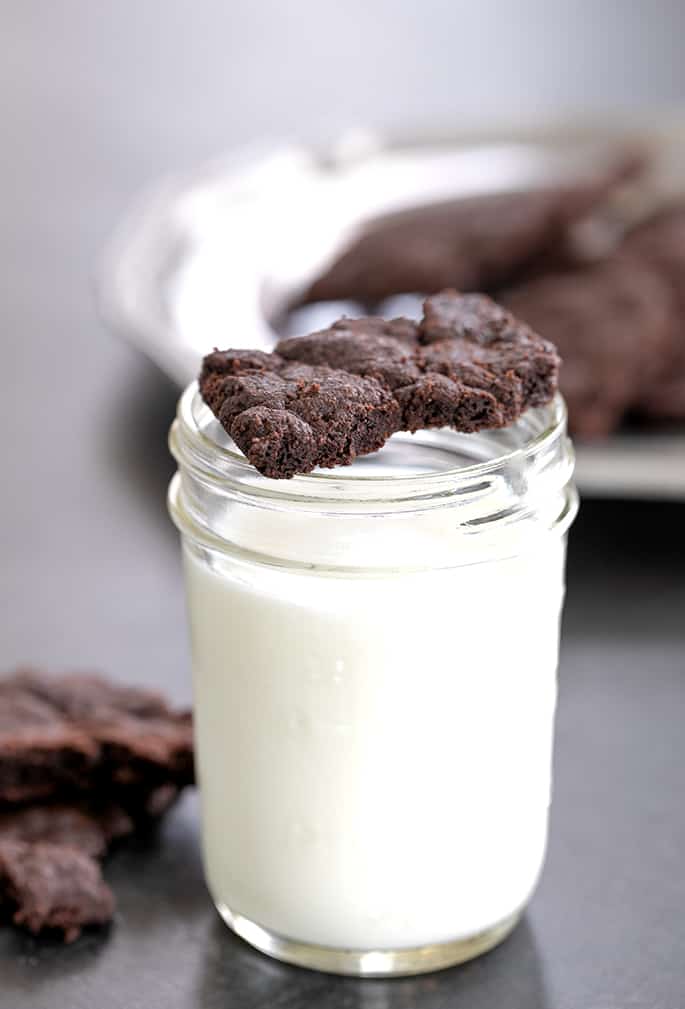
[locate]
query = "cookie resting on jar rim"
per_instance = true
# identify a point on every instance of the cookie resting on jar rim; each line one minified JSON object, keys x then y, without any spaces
{"x":375,"y":643}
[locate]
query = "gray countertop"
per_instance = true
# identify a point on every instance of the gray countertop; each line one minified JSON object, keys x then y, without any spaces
{"x":89,"y":577}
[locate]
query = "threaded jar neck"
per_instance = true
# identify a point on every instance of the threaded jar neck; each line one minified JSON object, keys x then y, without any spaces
{"x":435,"y":498}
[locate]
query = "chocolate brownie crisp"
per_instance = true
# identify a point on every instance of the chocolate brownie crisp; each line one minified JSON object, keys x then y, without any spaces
{"x":83,"y":763}
{"x":321,"y":400}
{"x":79,"y":733}
{"x":477,"y":243}
{"x":53,"y":887}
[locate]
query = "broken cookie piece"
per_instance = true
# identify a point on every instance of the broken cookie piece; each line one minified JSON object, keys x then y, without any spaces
{"x":289,"y":417}
{"x":71,"y":825}
{"x":83,"y":762}
{"x":139,"y":742}
{"x":468,"y":365}
{"x":53,"y":887}
{"x":478,"y":243}
{"x":41,"y":752}
{"x":321,"y":400}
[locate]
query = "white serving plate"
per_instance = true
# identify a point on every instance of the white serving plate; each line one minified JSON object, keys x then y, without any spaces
{"x":215,"y":258}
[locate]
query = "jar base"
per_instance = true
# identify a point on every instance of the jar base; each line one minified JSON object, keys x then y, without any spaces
{"x":371,"y":963}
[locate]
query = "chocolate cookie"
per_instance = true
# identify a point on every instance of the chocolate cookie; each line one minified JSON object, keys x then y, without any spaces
{"x":70,"y":825}
{"x":480,"y":243}
{"x":104,"y":759}
{"x":288,"y":417}
{"x":611,"y":324}
{"x":660,"y":242}
{"x":141,"y":741}
{"x":53,"y":887}
{"x":468,"y":365}
{"x":82,"y":734}
{"x":323,"y":399}
{"x":41,"y":752}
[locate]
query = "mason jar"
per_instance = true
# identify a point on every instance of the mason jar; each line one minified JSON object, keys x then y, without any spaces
{"x":374,"y":671}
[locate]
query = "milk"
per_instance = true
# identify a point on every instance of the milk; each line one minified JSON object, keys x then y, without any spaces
{"x":374,"y":751}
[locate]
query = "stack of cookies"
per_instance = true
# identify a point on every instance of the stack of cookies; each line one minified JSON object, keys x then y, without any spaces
{"x":83,"y":763}
{"x":612,"y":306}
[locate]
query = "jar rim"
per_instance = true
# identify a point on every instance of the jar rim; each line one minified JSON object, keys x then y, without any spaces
{"x":192,"y":446}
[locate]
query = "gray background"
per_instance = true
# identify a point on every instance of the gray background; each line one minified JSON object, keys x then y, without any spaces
{"x":99,"y":99}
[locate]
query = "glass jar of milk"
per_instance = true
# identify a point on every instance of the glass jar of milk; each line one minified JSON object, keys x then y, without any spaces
{"x":374,"y":664}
